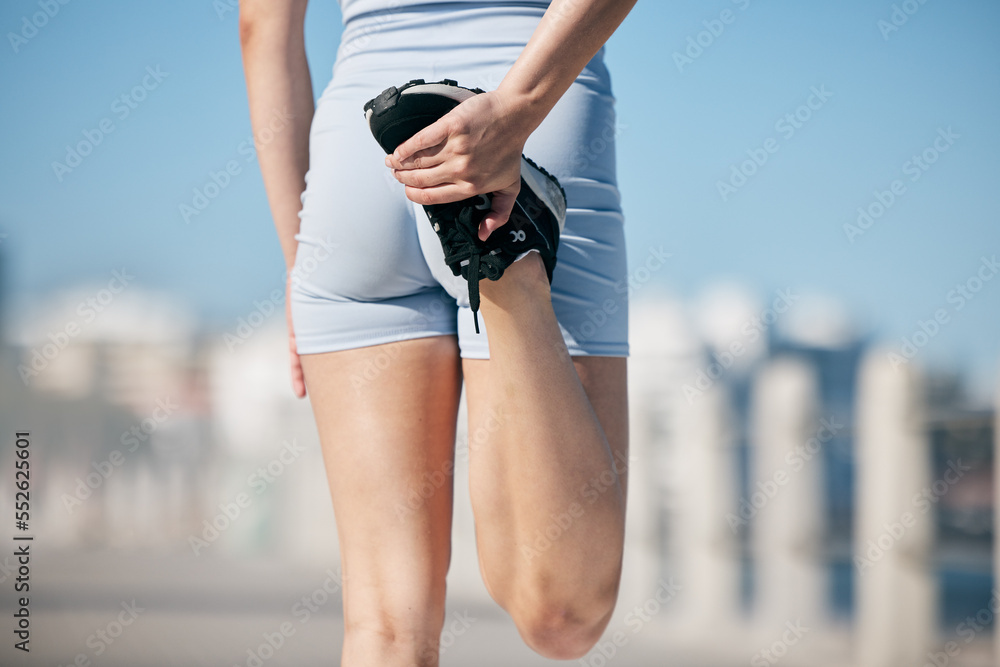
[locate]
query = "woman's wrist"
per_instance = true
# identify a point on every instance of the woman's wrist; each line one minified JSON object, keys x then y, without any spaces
{"x":525,"y":107}
{"x":567,"y":37}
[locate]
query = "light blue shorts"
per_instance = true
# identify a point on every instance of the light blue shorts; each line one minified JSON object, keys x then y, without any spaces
{"x":370,"y":270}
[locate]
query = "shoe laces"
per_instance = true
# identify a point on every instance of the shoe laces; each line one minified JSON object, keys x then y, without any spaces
{"x":460,"y":241}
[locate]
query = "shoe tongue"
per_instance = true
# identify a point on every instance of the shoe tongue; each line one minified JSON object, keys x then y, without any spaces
{"x":470,"y":217}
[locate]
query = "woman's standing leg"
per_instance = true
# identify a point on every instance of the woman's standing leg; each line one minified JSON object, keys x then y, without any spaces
{"x":384,"y":436}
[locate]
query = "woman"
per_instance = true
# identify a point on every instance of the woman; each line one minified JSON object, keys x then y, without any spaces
{"x":383,"y":335}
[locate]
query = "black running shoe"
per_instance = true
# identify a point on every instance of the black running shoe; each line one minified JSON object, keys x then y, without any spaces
{"x":539,"y":213}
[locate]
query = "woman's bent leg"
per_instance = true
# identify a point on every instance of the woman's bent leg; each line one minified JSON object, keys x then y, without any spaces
{"x":386,"y":418}
{"x":547,"y":468}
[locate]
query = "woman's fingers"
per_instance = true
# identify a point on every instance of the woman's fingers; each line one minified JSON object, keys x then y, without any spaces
{"x":438,"y":194}
{"x":428,"y":157}
{"x":298,"y":379}
{"x":460,"y":155}
{"x":434,"y":134}
{"x":503,"y":204}
{"x":427,"y":177}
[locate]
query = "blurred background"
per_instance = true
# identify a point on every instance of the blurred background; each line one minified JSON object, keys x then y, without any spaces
{"x":813,"y":233}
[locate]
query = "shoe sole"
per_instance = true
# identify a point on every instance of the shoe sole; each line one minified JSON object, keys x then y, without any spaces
{"x":408,"y":117}
{"x":543,"y":187}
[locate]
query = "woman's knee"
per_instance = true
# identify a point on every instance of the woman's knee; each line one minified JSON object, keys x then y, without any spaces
{"x":390,"y":645}
{"x":565,"y":631}
{"x":402,"y":632}
{"x":565,"y":627}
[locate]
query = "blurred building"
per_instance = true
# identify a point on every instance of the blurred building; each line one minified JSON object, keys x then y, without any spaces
{"x":733,"y":397}
{"x":150,"y":425}
{"x":771,"y":445}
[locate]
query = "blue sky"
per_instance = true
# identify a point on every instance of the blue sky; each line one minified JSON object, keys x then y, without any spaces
{"x":886,"y":96}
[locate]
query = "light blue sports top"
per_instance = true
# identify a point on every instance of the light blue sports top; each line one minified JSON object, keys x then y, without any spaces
{"x":351,"y":9}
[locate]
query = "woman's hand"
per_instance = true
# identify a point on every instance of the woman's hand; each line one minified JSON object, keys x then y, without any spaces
{"x":474,"y":149}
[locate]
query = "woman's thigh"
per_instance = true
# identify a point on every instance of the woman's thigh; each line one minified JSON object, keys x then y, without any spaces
{"x":605,"y":381}
{"x":386,"y":418}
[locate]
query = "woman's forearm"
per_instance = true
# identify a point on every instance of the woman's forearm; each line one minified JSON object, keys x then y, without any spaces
{"x":281,"y":105}
{"x":568,"y":36}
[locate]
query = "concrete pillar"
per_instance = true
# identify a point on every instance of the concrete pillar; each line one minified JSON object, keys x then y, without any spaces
{"x":641,"y":564}
{"x":703,"y":547}
{"x":786,"y":492}
{"x":895,"y":591}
